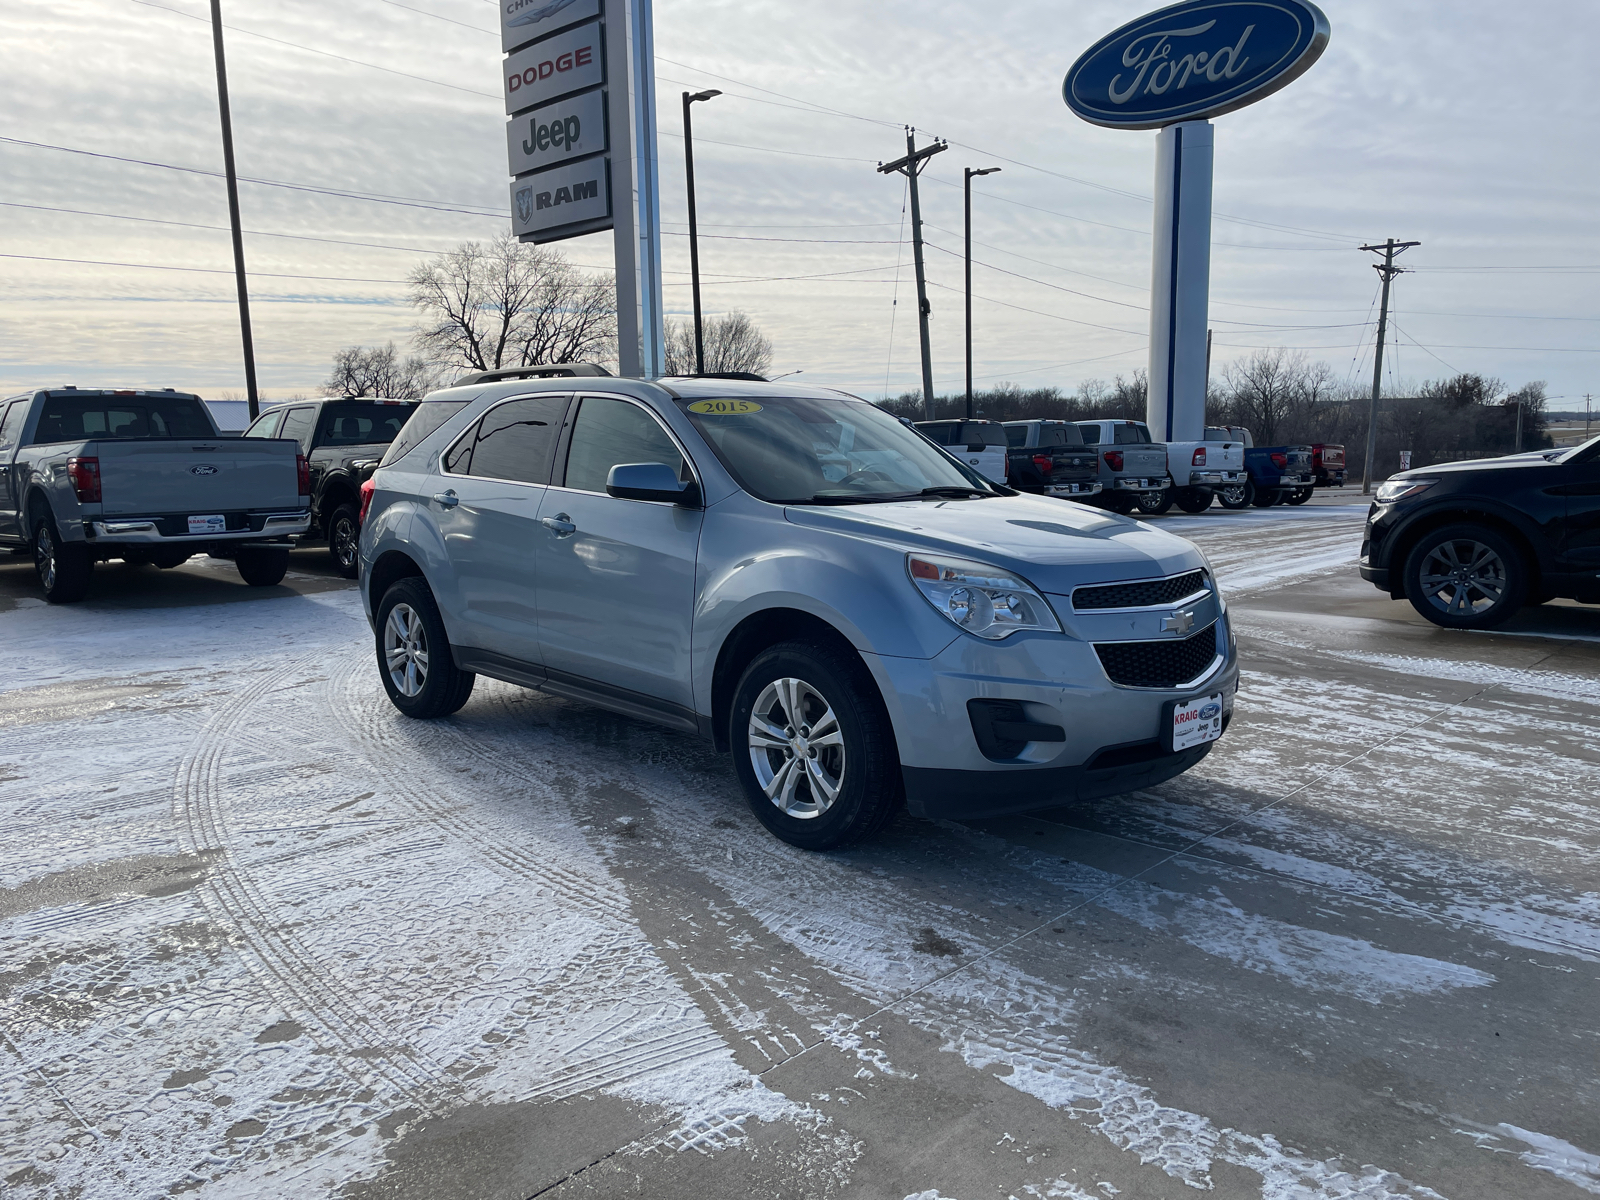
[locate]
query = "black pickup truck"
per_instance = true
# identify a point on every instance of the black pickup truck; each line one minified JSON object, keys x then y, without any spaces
{"x":343,"y":440}
{"x":1050,"y":458}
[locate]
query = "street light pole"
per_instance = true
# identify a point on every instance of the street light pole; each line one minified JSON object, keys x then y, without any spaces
{"x":694,"y":227}
{"x":233,"y":213}
{"x":967,"y":174}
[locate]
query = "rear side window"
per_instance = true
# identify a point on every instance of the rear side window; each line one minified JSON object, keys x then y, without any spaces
{"x":609,"y":432}
{"x":1130,"y":434}
{"x":73,"y":418}
{"x":1016,"y":435}
{"x":1091,"y":434}
{"x":267,"y":426}
{"x":297,"y":425}
{"x":424,"y":420}
{"x":361,"y":424}
{"x":514,"y":441}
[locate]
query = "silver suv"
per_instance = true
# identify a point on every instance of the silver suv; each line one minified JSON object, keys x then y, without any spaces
{"x":794,"y":574}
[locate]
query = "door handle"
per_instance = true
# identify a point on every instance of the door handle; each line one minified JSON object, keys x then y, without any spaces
{"x":561,"y":525}
{"x":447,"y":499}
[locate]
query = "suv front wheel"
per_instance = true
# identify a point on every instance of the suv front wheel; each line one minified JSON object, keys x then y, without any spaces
{"x":813,"y":746}
{"x":1466,"y":577}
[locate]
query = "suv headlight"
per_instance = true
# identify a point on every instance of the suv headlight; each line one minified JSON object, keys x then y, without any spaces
{"x":1402,"y":489}
{"x":981,"y":599}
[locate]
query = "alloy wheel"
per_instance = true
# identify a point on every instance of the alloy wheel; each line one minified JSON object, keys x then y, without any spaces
{"x":797,"y":748}
{"x":44,"y":557}
{"x":1463,"y":578}
{"x":405,"y":650}
{"x":345,"y":539}
{"x":1234,"y":494}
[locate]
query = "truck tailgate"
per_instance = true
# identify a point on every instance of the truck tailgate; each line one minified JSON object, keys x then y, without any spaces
{"x":148,"y":477}
{"x":1142,"y":460}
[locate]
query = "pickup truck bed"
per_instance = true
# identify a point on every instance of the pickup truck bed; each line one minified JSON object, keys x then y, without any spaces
{"x":87,"y":476}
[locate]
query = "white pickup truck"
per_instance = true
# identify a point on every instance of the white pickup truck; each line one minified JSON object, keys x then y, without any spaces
{"x":1198,"y":471}
{"x":88,"y":475}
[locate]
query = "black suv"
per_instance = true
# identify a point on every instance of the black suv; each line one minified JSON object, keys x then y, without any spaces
{"x":1470,"y":543}
{"x":343,"y":441}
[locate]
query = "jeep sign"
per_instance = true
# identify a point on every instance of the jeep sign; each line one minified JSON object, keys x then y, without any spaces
{"x":1194,"y":61}
{"x":557,"y":133}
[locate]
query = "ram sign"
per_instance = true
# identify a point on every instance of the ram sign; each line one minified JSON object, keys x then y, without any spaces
{"x":563,"y":201}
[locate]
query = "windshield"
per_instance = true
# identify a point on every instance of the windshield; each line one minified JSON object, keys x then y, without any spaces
{"x":1581,"y":452}
{"x":821,"y":450}
{"x":74,"y":418}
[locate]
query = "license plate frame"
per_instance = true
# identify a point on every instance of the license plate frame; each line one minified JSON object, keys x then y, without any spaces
{"x":208,"y":523}
{"x":1199,"y":726}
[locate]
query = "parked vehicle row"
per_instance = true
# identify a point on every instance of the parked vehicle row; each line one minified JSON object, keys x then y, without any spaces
{"x":861,"y":618}
{"x":88,"y":475}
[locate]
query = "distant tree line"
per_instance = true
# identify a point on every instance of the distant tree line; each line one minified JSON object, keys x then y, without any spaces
{"x":1284,"y":398}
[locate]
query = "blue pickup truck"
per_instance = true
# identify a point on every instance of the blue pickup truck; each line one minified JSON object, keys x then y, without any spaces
{"x":1277,"y":474}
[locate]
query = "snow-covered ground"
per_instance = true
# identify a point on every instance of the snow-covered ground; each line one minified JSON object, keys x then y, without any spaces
{"x":260,"y":936}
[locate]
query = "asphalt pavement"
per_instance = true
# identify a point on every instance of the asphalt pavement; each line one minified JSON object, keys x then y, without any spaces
{"x":260,"y":936}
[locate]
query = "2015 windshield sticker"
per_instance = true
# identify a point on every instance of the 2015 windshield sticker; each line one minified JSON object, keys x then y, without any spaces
{"x":724,"y":408}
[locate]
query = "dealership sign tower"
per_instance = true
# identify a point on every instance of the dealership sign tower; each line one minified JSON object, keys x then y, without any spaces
{"x":580,"y":91}
{"x":1173,"y":70}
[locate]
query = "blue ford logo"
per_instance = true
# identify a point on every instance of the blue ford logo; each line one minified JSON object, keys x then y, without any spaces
{"x":1211,"y":712}
{"x":203,"y":469}
{"x":1194,"y":60}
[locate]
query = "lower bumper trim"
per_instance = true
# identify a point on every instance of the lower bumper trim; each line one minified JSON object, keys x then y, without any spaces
{"x":972,"y":795}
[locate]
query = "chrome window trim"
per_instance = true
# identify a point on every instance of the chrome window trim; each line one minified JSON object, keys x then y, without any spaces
{"x":472,"y":426}
{"x":694,"y":468}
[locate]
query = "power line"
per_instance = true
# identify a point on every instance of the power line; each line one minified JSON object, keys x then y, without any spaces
{"x":92,"y":262}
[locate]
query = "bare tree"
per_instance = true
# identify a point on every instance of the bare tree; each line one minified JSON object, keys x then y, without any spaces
{"x":511,"y":304}
{"x":1272,"y":390}
{"x":378,"y":371}
{"x":733,"y":342}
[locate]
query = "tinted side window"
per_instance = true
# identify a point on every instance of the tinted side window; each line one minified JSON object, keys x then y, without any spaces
{"x":1131,"y":435}
{"x":361,"y":424}
{"x":976,"y":437}
{"x":609,"y":432}
{"x":514,"y":441}
{"x":267,"y":426}
{"x":1056,"y":435}
{"x":297,"y":425}
{"x":424,"y":419}
{"x":1016,"y":435}
{"x":11,"y":424}
{"x":1091,"y":434}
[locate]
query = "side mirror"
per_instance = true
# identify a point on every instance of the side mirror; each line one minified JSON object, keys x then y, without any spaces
{"x":651,"y":481}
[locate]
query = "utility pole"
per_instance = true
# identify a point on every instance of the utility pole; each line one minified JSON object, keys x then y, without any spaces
{"x":911,"y":166}
{"x":967,"y":175}
{"x":1386,"y":271}
{"x":233,"y":212}
{"x":694,"y":228}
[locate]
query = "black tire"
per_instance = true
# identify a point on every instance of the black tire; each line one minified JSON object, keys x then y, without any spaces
{"x":262,"y":567}
{"x":1153,"y":504}
{"x":1466,"y":577}
{"x":1119,"y":502}
{"x":64,"y":568}
{"x":167,"y":557}
{"x":440,"y":687}
{"x":1193,"y":499}
{"x":1261,"y":497}
{"x":863,"y":763}
{"x":1299,"y":495}
{"x":1234,"y":496}
{"x":344,"y":540}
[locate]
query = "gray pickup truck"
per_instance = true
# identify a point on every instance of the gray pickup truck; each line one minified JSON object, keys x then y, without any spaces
{"x":144,"y":476}
{"x":1133,"y":469}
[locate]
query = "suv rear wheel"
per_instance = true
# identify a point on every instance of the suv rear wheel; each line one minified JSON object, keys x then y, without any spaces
{"x":414,"y":660}
{"x":813,"y":746}
{"x":1466,"y":577}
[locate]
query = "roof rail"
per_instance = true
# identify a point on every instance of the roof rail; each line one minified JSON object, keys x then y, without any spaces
{"x":747,"y":376}
{"x":550,"y":371}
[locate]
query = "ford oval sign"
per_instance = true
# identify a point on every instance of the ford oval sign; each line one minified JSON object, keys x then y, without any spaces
{"x":1195,"y":60}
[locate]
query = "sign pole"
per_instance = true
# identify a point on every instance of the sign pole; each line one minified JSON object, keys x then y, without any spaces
{"x":636,"y":186}
{"x":1180,"y":283}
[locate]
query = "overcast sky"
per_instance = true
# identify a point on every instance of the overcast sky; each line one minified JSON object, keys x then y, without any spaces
{"x":1468,"y":126}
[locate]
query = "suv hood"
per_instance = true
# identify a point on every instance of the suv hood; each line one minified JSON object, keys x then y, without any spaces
{"x":1054,"y":545}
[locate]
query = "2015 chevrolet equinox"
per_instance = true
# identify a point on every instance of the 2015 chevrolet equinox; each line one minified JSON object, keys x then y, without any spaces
{"x":795,"y":574}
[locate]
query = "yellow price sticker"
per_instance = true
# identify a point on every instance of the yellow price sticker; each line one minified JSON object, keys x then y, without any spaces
{"x":724,"y":408}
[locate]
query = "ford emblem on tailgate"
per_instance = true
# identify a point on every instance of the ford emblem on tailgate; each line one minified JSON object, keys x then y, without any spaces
{"x":203,"y":469}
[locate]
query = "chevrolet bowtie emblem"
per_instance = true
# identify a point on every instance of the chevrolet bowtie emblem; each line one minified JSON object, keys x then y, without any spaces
{"x":1178,"y":623}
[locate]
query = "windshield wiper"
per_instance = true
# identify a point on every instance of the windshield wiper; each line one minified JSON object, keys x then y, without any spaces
{"x":853,"y":498}
{"x":956,"y":490}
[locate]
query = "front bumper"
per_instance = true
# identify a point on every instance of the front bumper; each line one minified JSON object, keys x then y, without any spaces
{"x":1074,"y":489}
{"x":1134,"y":483}
{"x":1110,"y":735}
{"x":165,"y":530}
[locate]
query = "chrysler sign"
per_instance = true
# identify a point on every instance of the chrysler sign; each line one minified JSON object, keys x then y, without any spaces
{"x":1194,"y":60}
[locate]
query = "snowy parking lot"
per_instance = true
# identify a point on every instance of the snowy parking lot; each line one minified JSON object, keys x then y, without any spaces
{"x":262,"y":936}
